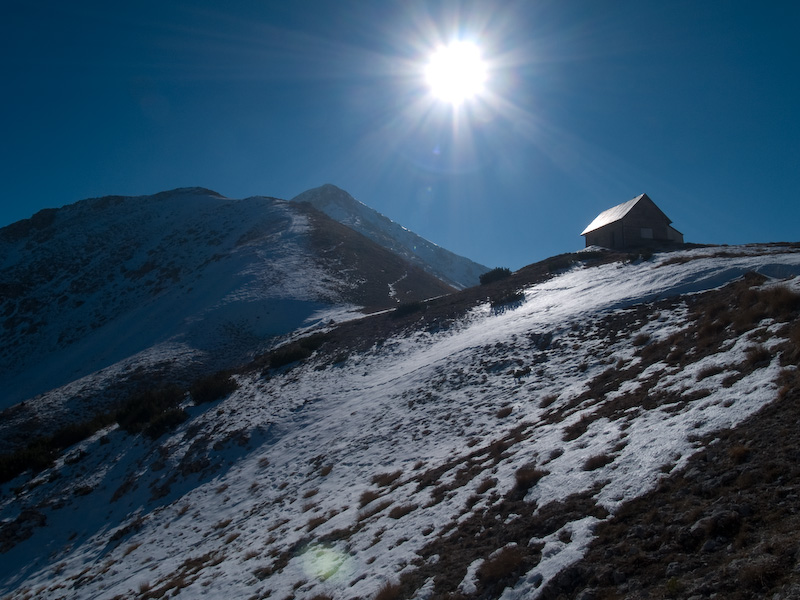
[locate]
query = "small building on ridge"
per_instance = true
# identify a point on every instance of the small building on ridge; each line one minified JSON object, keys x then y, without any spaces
{"x":632,"y":224}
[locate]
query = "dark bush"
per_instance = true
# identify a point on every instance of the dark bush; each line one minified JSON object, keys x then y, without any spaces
{"x":527,"y":476}
{"x":146,"y":408}
{"x":406,"y":308}
{"x":286,"y":356}
{"x":401,"y":511}
{"x":389,"y":591}
{"x":507,"y":298}
{"x":214,"y":387}
{"x":296,"y":351}
{"x":384,"y":479}
{"x":597,"y":461}
{"x":164,"y":422}
{"x":40,"y":453}
{"x":494,"y":275}
{"x":37,"y":456}
{"x":559,"y":263}
{"x":502,"y":564}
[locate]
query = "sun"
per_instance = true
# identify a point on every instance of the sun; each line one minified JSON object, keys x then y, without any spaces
{"x":456,"y":72}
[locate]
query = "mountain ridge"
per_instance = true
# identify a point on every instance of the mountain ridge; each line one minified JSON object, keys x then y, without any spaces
{"x":341,"y":206}
{"x":210,"y":275}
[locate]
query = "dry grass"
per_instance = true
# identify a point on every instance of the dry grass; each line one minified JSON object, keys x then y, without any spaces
{"x":384,"y":479}
{"x":486,"y":485}
{"x":400,"y":511}
{"x":368,"y":496}
{"x":504,"y":412}
{"x":528,"y":475}
{"x":547,"y":401}
{"x":389,"y":591}
{"x":501,"y":564}
{"x":739,"y":454}
{"x":709,"y":371}
{"x":374,"y":510}
{"x":597,"y":462}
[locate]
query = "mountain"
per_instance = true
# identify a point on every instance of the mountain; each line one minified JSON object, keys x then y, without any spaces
{"x":456,"y":270}
{"x":116,"y":290}
{"x":595,"y":425}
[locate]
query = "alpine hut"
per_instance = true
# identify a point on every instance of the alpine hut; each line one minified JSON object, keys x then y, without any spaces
{"x":635,"y":223}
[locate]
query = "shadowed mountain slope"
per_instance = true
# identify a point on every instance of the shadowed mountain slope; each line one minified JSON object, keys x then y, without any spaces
{"x":180,"y":281}
{"x":458,"y":271}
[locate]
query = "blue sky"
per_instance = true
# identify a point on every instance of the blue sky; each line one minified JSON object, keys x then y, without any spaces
{"x":587,"y":104}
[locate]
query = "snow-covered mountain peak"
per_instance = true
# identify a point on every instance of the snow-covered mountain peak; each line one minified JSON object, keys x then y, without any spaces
{"x":458,"y":271}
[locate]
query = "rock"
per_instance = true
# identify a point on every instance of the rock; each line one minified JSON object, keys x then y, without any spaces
{"x":536,"y":580}
{"x":709,"y":546}
{"x":673,"y":569}
{"x":587,"y":594}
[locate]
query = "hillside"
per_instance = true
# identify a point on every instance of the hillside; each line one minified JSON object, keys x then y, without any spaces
{"x":592,"y":426}
{"x":103,"y":294}
{"x":456,"y":270}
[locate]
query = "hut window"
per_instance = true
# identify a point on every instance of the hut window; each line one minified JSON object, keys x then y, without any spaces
{"x":647,"y":233}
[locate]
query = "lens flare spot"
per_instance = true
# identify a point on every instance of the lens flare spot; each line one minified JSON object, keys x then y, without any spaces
{"x":323,"y":562}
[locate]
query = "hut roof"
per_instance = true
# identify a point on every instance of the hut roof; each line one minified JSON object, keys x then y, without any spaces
{"x":615,"y":213}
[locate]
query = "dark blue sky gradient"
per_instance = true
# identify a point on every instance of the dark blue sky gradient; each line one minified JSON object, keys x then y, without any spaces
{"x":590,"y":104}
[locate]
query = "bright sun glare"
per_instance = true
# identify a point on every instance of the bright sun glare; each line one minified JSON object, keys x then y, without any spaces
{"x":456,"y":72}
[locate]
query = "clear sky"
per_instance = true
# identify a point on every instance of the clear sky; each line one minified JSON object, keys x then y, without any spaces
{"x":586,"y":104}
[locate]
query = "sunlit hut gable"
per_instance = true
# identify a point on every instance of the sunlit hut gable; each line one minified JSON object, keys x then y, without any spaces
{"x":635,"y":223}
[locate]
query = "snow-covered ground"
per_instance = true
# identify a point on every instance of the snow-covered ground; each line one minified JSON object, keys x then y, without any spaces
{"x":336,"y":478}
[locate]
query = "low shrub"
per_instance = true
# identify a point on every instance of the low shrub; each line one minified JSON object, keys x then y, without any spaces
{"x":504,"y":412}
{"x":528,"y":475}
{"x":739,"y":454}
{"x":384,"y":479}
{"x":559,"y":263}
{"x":494,"y":275}
{"x":286,"y":356}
{"x":406,"y":308}
{"x":506,"y":299}
{"x":315,"y":522}
{"x":547,"y":401}
{"x":501,"y":564}
{"x":758,"y":356}
{"x":709,"y":371}
{"x":296,"y":351}
{"x":148,"y":410}
{"x":598,"y":461}
{"x":40,"y":453}
{"x":389,"y":591}
{"x":401,"y":511}
{"x":165,"y":422}
{"x":213,"y":387}
{"x":367,"y":497}
{"x":486,"y":485}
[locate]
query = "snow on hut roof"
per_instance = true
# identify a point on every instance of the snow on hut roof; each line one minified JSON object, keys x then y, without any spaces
{"x":615,"y":213}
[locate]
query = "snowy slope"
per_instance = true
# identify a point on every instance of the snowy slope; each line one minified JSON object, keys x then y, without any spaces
{"x":416,"y":461}
{"x":181,"y":280}
{"x":458,"y":271}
